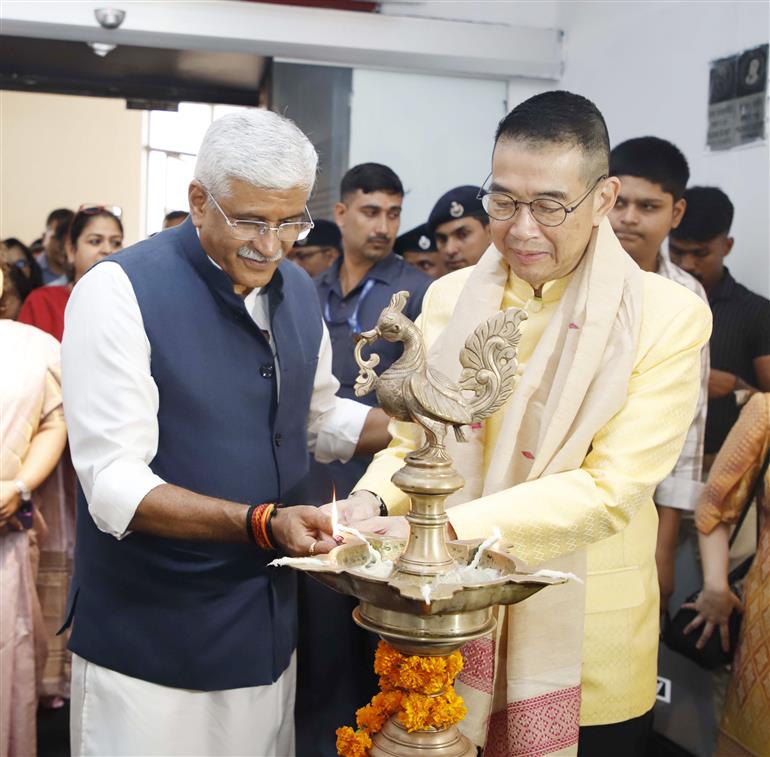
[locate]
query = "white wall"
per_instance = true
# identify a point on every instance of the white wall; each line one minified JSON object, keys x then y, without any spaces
{"x":435,"y":132}
{"x":62,"y":151}
{"x":646,"y":65}
{"x":539,"y":14}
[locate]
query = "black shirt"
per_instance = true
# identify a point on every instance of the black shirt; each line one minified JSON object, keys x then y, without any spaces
{"x":741,"y":333}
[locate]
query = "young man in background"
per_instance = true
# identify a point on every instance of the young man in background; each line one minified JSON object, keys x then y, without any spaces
{"x":740,"y":342}
{"x":653,"y":175}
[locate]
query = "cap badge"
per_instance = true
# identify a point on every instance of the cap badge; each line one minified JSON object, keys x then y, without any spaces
{"x":423,"y":242}
{"x":456,"y":210}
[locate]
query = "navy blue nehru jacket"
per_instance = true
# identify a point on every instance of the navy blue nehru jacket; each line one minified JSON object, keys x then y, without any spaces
{"x":186,"y":613}
{"x":351,"y":314}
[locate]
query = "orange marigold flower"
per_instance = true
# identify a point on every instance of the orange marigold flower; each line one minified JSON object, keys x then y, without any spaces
{"x":391,"y":700}
{"x":352,"y":743}
{"x":454,"y":665}
{"x":415,"y":712}
{"x":386,"y":659}
{"x":374,"y":715}
{"x":447,"y":710}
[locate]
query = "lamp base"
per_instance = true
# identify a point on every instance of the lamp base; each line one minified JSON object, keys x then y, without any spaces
{"x":395,"y":741}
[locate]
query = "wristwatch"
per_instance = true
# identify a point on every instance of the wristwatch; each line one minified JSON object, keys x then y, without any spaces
{"x":24,"y":492}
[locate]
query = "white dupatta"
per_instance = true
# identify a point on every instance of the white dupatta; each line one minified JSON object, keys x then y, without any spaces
{"x":523,"y":688}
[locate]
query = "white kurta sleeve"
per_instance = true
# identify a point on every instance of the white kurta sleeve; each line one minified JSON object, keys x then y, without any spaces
{"x":110,"y":397}
{"x":334,"y":423}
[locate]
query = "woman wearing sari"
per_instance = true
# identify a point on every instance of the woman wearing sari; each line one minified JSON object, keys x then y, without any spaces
{"x":93,"y":233}
{"x":745,"y":726}
{"x":32,"y":435}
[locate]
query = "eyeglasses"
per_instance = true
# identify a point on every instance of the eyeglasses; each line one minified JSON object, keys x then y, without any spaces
{"x":92,"y":208}
{"x":547,"y":212}
{"x":248,"y":231}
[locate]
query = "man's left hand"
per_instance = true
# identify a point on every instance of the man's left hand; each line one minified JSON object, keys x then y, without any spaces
{"x":395,"y":526}
{"x":302,"y":531}
{"x":360,"y":505}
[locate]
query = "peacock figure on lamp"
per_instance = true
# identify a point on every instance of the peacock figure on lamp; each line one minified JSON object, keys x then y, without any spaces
{"x":410,"y":390}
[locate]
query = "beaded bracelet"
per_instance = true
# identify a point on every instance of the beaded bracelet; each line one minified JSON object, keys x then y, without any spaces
{"x":258,"y":519}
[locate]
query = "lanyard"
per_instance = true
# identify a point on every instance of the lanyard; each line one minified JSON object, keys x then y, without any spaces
{"x":352,"y":321}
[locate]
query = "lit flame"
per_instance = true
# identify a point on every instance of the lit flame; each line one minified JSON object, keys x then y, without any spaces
{"x":336,"y":533}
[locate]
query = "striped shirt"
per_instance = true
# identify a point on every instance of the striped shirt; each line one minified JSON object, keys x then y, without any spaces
{"x":682,"y":488}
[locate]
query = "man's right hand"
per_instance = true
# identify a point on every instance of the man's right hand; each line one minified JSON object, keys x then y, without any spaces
{"x":721,"y":383}
{"x":302,"y":531}
{"x":359,"y":506}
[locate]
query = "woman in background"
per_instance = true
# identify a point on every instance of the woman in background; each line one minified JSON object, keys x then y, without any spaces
{"x":745,"y":726}
{"x":19,"y":256}
{"x":32,"y":438}
{"x":95,"y":233}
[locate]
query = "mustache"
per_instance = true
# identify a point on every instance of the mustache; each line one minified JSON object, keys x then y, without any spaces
{"x":250,"y":254}
{"x":379,"y":238}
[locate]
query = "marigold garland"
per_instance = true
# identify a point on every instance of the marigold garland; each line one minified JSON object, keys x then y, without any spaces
{"x":353,"y":743}
{"x":418,"y":688}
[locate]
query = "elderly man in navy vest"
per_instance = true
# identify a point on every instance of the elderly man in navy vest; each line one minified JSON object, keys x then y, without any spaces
{"x":197,"y":375}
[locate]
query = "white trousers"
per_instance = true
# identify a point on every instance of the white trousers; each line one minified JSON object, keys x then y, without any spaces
{"x":114,"y":714}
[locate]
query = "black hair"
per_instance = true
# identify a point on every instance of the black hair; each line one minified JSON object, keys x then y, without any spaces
{"x":83,"y":218}
{"x":654,"y":159}
{"x":709,"y":213}
{"x":371,"y":177}
{"x":481,"y":217}
{"x":559,"y":117}
{"x":60,"y":217}
{"x":21,"y":283}
{"x":14,"y":281}
{"x":173,"y":215}
{"x":35,"y":275}
{"x":61,"y":220}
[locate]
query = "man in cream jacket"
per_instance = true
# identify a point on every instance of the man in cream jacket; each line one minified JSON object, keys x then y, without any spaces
{"x":607,"y":384}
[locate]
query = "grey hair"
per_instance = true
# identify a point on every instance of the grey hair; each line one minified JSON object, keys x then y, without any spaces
{"x":259,"y":147}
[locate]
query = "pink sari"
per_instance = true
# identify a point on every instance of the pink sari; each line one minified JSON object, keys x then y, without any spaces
{"x":29,"y":391}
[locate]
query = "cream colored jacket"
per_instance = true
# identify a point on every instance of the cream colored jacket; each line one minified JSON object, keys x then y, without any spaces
{"x":605,"y":505}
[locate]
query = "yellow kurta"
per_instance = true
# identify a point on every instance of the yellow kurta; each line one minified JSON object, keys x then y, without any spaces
{"x":519,"y":294}
{"x":606,"y":504}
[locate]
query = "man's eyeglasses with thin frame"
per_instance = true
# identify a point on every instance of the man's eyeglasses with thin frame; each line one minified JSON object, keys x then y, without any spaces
{"x":248,"y":231}
{"x":547,"y":212}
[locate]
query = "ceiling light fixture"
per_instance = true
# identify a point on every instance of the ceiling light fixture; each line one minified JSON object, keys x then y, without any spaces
{"x":101,"y":48}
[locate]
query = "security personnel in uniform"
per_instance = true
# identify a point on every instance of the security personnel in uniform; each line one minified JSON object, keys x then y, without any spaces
{"x":461,"y":227}
{"x":418,"y":248}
